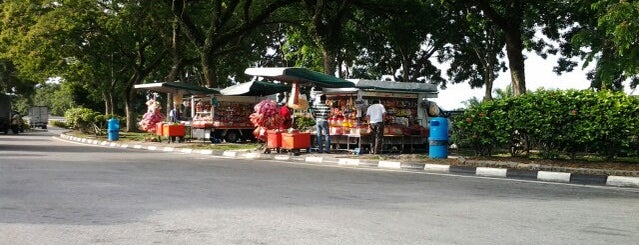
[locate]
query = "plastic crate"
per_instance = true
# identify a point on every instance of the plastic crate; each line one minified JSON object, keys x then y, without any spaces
{"x":296,"y":140}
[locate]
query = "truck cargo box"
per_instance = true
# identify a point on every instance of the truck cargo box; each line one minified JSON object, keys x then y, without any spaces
{"x":39,"y":116}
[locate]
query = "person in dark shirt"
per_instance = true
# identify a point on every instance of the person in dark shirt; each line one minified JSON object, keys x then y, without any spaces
{"x":321,"y":112}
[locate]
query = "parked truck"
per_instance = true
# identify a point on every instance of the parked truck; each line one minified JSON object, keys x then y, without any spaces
{"x":5,"y":113}
{"x":39,"y":117}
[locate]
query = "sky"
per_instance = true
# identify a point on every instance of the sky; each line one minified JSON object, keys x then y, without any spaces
{"x":538,"y":74}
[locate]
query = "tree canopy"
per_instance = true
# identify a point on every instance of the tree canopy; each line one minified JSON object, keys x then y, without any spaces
{"x":103,"y":48}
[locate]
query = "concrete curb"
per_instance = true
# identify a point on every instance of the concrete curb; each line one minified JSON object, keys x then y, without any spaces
{"x":502,"y":170}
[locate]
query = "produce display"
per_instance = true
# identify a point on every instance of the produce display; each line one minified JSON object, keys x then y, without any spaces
{"x":265,"y":116}
{"x":226,"y":114}
{"x":202,"y":117}
{"x":232,"y":114}
{"x":400,"y":118}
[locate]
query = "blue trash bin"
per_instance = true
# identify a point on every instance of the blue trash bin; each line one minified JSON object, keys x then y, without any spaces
{"x":113,"y":129}
{"x":438,"y":138}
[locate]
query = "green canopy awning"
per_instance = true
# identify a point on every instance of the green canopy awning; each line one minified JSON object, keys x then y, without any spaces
{"x":256,"y":88}
{"x":176,"y":87}
{"x":299,"y":75}
{"x":388,"y":86}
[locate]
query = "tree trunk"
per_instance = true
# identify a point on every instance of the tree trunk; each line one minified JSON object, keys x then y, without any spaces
{"x":329,"y":61}
{"x":406,"y":65}
{"x":490,"y":78}
{"x":177,"y":62}
{"x":514,"y":48}
{"x":208,"y":68}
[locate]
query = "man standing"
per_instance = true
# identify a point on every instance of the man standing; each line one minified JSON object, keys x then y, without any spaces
{"x":321,"y":112}
{"x":375,"y":114}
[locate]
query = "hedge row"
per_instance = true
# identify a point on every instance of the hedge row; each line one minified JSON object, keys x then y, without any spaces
{"x":553,"y":122}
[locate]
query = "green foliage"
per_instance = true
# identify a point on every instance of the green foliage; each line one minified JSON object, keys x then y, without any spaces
{"x":303,"y":123}
{"x":483,"y":127}
{"x":87,"y":120}
{"x":59,"y":124}
{"x":554,"y":122}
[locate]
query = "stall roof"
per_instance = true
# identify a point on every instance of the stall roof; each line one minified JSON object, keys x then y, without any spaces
{"x":174,"y":87}
{"x":299,"y":74}
{"x":405,"y":87}
{"x":256,"y":88}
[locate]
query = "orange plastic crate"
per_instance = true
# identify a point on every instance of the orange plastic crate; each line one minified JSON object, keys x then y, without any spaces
{"x":296,"y":140}
{"x":159,"y":128}
{"x":173,"y":130}
{"x":273,"y":139}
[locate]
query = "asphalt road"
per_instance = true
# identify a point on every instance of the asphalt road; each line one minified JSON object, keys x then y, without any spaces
{"x":57,"y":192}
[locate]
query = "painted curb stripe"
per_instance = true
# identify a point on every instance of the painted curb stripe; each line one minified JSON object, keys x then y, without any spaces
{"x":522,"y":174}
{"x":187,"y":150}
{"x":168,"y":149}
{"x":252,"y":155}
{"x":389,"y":164}
{"x":229,"y":153}
{"x":206,"y":152}
{"x":588,"y":179}
{"x":623,"y":181}
{"x":491,"y":172}
{"x":553,"y":176}
{"x":137,"y":146}
{"x":412,"y":166}
{"x":348,"y":162}
{"x":436,"y":167}
{"x":151,"y":148}
{"x":282,"y":157}
{"x":462,"y":170}
{"x":314,"y":159}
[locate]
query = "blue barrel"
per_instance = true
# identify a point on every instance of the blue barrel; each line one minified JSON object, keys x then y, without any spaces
{"x":438,"y":138}
{"x":113,"y":129}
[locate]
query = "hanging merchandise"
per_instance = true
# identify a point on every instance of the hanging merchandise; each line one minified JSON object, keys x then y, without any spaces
{"x":151,"y":117}
{"x":265,"y":117}
{"x":294,"y":100}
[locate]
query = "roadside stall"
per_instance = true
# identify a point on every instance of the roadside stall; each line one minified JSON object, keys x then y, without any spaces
{"x":155,"y":122}
{"x":406,"y":121}
{"x":234,"y":105}
{"x":294,"y":140}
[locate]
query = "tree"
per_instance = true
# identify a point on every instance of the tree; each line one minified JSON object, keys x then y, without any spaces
{"x":520,"y":20}
{"x":217,"y":29}
{"x":400,"y":38}
{"x":606,"y":34}
{"x":475,"y":54}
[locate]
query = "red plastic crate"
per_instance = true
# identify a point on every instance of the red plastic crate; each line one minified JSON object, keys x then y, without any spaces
{"x":296,"y":140}
{"x":173,"y":130}
{"x":273,"y":139}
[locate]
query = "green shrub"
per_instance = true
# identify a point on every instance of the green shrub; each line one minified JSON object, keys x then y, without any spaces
{"x":87,"y":120}
{"x":554,"y":122}
{"x":59,"y":124}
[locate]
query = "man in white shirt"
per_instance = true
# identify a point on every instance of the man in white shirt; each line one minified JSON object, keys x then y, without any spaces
{"x":375,"y":115}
